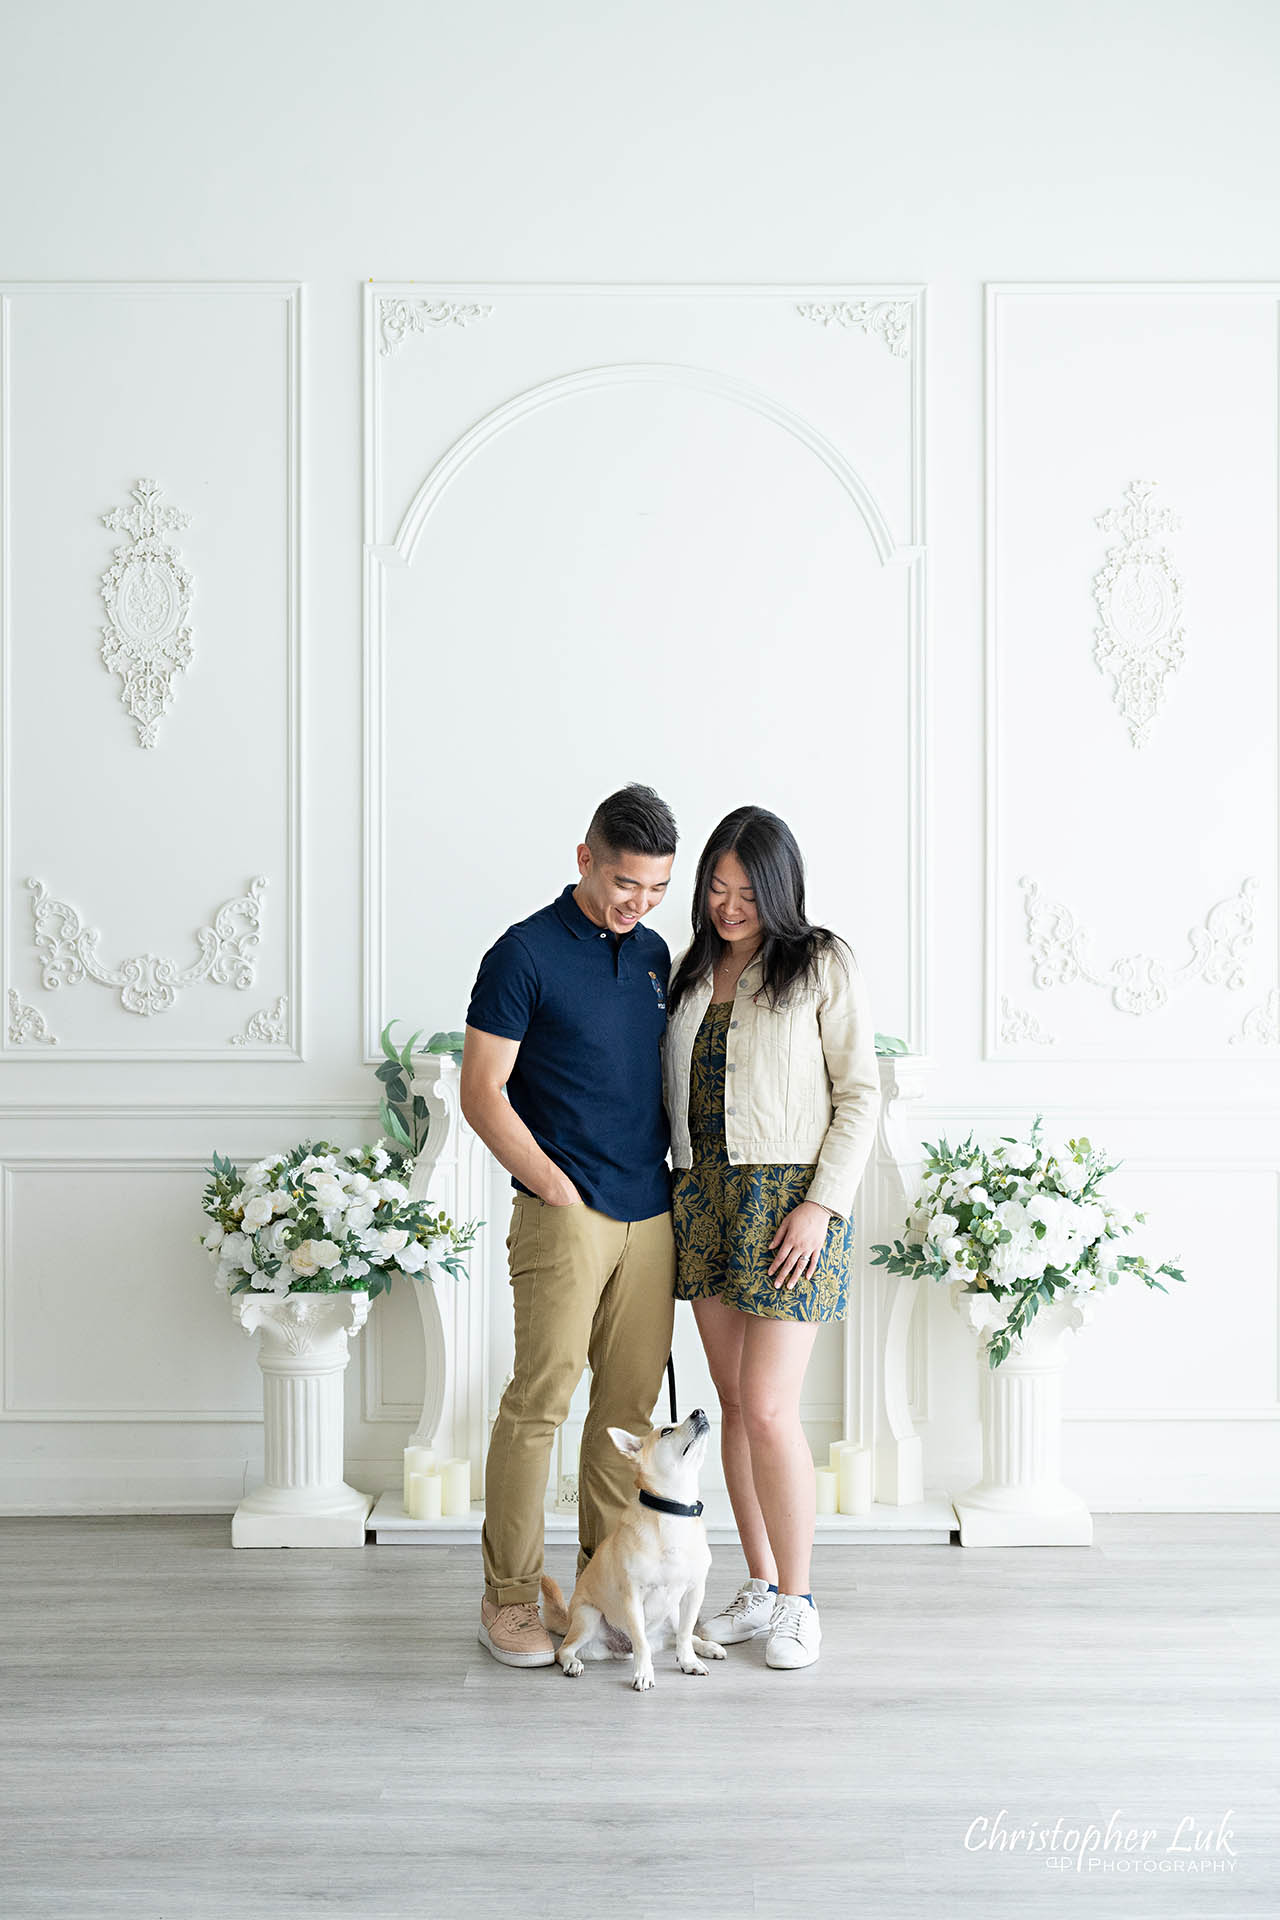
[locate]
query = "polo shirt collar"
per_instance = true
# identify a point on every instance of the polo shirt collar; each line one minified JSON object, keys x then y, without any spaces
{"x":575,"y":919}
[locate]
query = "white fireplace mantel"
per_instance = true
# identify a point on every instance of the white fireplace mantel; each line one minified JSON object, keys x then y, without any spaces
{"x":884,"y":1372}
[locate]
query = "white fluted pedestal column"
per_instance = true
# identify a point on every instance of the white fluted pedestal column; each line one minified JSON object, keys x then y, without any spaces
{"x":303,"y":1354}
{"x":1020,"y":1500}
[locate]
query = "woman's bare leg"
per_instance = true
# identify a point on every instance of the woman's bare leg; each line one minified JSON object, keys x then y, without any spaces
{"x":771,"y":1370}
{"x":722,"y":1329}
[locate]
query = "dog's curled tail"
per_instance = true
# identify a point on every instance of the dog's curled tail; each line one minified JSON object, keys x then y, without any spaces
{"x":555,"y":1615}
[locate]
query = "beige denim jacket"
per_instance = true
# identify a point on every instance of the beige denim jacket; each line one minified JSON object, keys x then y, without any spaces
{"x":802,"y":1084}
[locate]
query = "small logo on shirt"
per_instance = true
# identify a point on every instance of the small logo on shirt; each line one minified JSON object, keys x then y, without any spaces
{"x":657,"y":987}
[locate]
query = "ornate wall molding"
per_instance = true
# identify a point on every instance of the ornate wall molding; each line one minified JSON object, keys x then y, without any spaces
{"x":1261,"y":1025}
{"x":148,"y":983}
{"x":1139,"y":600}
{"x":1139,"y":983}
{"x":27,"y":1025}
{"x":397,"y":319}
{"x":888,"y":320}
{"x":269,"y":1027}
{"x":148,"y":594}
{"x":1017,"y":1025}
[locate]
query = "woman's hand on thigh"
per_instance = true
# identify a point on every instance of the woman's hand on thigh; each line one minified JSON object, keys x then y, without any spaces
{"x":797,"y":1245}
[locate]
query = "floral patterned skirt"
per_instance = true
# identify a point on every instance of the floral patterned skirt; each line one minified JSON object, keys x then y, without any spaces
{"x":725,"y":1217}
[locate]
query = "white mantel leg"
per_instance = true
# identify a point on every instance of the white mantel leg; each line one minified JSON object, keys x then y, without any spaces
{"x":451,"y":1172}
{"x":877,"y":1334}
{"x":303,"y":1354}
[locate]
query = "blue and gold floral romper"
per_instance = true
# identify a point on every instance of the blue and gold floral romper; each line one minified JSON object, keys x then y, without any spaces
{"x":725,"y":1216}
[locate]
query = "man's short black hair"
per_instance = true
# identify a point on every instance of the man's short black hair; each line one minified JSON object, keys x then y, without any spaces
{"x":633,"y":820}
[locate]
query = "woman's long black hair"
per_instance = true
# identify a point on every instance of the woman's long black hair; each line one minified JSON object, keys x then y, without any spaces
{"x":790,"y":945}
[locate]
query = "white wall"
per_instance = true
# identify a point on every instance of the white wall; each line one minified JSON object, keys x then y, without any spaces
{"x":1011,"y":171}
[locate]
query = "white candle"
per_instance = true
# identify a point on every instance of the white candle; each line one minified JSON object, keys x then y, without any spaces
{"x":836,"y":1449}
{"x":416,"y":1460}
{"x":828,"y":1483}
{"x":457,"y":1486}
{"x":426,"y":1492}
{"x":854,"y":1473}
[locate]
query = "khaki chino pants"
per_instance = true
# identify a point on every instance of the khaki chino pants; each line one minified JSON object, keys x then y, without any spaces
{"x":587,"y":1290}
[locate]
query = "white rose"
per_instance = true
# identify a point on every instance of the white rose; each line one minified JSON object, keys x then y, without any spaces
{"x":281,"y":1202}
{"x":359,"y":1183}
{"x":329,"y":1193}
{"x":261,"y":1170}
{"x":215,"y":1237}
{"x":1072,"y":1175}
{"x":1019,"y":1153}
{"x":235,"y":1249}
{"x":355,"y":1269}
{"x":360,"y":1216}
{"x":301,"y":1262}
{"x":389,"y":1241}
{"x":381,"y":1161}
{"x":272,"y":1240}
{"x":413,"y":1258}
{"x":393,"y":1190}
{"x":258,"y":1211}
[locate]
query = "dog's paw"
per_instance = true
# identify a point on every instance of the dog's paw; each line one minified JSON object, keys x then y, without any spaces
{"x":693,"y":1666}
{"x":642,"y":1682}
{"x":709,"y":1649}
{"x":572,"y":1667}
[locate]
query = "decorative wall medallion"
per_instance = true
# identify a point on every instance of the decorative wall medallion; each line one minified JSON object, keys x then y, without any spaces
{"x":1140,"y":984}
{"x":1139,"y":597}
{"x":890,"y":320}
{"x":1262,"y":1024}
{"x":399,"y":318}
{"x":27,"y":1025}
{"x":148,"y":984}
{"x":1017,"y":1025}
{"x":266,"y":1028}
{"x":148,"y":596}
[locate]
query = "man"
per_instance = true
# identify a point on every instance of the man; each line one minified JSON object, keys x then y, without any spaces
{"x":567,"y":1014}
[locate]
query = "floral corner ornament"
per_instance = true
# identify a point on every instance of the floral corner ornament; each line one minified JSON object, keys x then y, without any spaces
{"x":1139,"y":598}
{"x":1021,"y":1223}
{"x":148,"y":596}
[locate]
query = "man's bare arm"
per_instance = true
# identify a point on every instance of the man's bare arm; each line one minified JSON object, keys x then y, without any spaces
{"x":487,"y":1061}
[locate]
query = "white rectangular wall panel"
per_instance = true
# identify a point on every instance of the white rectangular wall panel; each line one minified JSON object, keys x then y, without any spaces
{"x":107,"y":1307}
{"x":613,"y":534}
{"x":1132,"y":673}
{"x":150,"y":883}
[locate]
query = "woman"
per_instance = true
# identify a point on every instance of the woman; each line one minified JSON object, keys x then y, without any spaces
{"x":772,"y":1092}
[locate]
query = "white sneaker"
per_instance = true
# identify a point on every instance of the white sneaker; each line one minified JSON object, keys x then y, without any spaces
{"x":747,"y":1614}
{"x":794,"y":1633}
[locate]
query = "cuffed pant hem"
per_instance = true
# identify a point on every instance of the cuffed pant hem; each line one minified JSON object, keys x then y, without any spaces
{"x":513,"y":1595}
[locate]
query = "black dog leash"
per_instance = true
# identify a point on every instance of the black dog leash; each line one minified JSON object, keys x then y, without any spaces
{"x":671,"y":1385}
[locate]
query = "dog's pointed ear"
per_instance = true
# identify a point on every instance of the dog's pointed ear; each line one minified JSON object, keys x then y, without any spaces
{"x":625,"y":1442}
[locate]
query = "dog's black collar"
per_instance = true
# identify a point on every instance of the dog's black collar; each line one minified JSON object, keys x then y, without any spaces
{"x":648,"y":1499}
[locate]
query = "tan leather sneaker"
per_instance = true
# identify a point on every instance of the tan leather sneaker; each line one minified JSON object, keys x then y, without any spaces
{"x":515,"y":1634}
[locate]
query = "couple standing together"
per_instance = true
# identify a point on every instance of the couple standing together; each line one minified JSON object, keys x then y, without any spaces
{"x":753,"y":1061}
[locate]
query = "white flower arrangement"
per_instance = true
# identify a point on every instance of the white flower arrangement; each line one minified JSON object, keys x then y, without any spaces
{"x":317,"y":1220}
{"x":1022,"y":1222}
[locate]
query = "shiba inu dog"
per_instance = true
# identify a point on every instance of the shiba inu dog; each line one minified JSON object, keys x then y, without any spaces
{"x":648,"y":1578}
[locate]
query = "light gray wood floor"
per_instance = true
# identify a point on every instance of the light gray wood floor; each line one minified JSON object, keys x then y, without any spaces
{"x":192,"y":1731}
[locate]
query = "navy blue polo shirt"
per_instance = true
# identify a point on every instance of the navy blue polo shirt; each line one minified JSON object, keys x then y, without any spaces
{"x":589,"y":1010}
